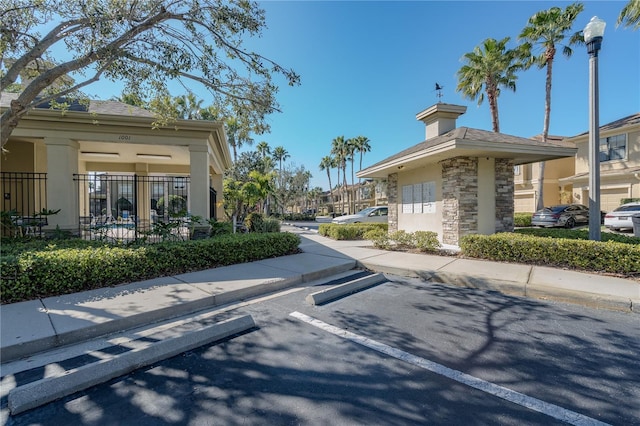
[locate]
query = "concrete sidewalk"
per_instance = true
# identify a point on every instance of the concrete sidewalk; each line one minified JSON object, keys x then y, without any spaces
{"x":34,"y":326}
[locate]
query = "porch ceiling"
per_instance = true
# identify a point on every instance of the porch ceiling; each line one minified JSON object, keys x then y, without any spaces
{"x":104,"y":152}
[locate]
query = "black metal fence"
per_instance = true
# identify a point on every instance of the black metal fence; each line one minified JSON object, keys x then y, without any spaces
{"x":126,"y":207}
{"x":24,"y":198}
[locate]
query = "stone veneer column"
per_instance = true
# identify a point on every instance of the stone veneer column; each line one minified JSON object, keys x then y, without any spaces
{"x":504,"y":195}
{"x":459,"y":198}
{"x":392,"y":201}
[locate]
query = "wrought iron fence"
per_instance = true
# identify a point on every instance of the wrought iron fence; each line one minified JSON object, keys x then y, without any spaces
{"x":129,"y":207}
{"x":24,"y":199}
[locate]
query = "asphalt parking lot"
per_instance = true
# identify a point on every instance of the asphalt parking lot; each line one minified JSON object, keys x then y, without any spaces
{"x":402,"y":352}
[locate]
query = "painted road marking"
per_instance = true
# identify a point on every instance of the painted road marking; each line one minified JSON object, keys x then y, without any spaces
{"x":523,"y":400}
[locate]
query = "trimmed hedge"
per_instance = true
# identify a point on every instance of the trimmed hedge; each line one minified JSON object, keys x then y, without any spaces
{"x":594,"y":256}
{"x":29,"y":272}
{"x":576,"y":234}
{"x":349,"y":231}
{"x":522,"y":219}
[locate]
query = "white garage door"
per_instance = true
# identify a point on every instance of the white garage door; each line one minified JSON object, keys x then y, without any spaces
{"x":524,"y":203}
{"x":610,"y":198}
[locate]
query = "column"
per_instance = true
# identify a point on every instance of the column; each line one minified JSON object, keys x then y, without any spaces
{"x":199,"y":188}
{"x":62,"y":190}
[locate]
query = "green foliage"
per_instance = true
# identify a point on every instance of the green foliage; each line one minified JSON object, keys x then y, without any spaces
{"x":176,"y":205}
{"x":629,"y":200}
{"x":38,"y":269}
{"x":303,"y":217}
{"x":594,"y":256}
{"x":424,"y":241}
{"x":270,"y":225}
{"x":522,"y":219}
{"x":220,"y":228}
{"x":114,"y":37}
{"x":576,"y":234}
{"x":349,"y":231}
{"x":253,"y":222}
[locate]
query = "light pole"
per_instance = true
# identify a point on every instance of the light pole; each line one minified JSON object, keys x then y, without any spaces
{"x":593,"y":33}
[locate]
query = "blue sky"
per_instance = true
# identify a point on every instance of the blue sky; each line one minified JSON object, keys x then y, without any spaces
{"x":368,"y":67}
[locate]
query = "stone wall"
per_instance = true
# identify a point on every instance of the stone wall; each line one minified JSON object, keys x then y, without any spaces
{"x":459,"y":198}
{"x":392,"y":197}
{"x":504,"y":194}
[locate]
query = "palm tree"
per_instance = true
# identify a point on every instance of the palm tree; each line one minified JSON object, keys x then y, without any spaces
{"x":362,"y":146}
{"x":490,"y":66}
{"x":351,"y":150}
{"x":263,"y":149}
{"x":280,"y":155}
{"x":327,"y":163}
{"x":189,"y":106}
{"x":339,"y":151}
{"x":237,"y":134}
{"x":630,"y":15}
{"x":547,"y":29}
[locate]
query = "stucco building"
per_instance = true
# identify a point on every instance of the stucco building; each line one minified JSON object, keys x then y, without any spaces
{"x":459,"y":180}
{"x":106,"y":159}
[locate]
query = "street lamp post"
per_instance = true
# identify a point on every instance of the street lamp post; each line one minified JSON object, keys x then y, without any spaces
{"x":593,"y":33}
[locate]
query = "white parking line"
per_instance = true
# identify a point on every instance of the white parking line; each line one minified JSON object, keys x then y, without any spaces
{"x":551,"y":410}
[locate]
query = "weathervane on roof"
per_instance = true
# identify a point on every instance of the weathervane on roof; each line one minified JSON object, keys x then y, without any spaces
{"x":439,"y":90}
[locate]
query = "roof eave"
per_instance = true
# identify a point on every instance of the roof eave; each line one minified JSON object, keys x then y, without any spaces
{"x":521,"y":154}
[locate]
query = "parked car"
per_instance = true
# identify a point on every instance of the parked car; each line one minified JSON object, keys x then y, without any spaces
{"x":567,"y":215}
{"x":370,"y":214}
{"x":620,"y":217}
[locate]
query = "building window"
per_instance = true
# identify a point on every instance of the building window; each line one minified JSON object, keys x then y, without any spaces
{"x":516,"y":170}
{"x":613,"y":148}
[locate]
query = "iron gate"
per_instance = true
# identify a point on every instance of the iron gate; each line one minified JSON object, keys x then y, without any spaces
{"x":124,"y":207}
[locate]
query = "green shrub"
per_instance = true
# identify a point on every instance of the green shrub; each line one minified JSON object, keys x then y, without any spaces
{"x":576,"y":234}
{"x":253,"y":222}
{"x":379,"y":237}
{"x":402,"y":239}
{"x":270,"y":225}
{"x":594,"y":256}
{"x":426,"y":241}
{"x":522,"y":219}
{"x":34,"y":271}
{"x":349,"y":231}
{"x":220,"y":228}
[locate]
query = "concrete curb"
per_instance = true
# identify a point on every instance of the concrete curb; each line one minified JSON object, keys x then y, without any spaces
{"x":40,"y":392}
{"x":338,"y":291}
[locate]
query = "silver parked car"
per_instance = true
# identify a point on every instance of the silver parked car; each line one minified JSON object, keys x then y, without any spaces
{"x":370,"y":214}
{"x":620,"y":217}
{"x":567,"y":215}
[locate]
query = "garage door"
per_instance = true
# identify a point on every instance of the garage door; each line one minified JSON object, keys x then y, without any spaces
{"x":610,"y":198}
{"x":524,"y":203}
